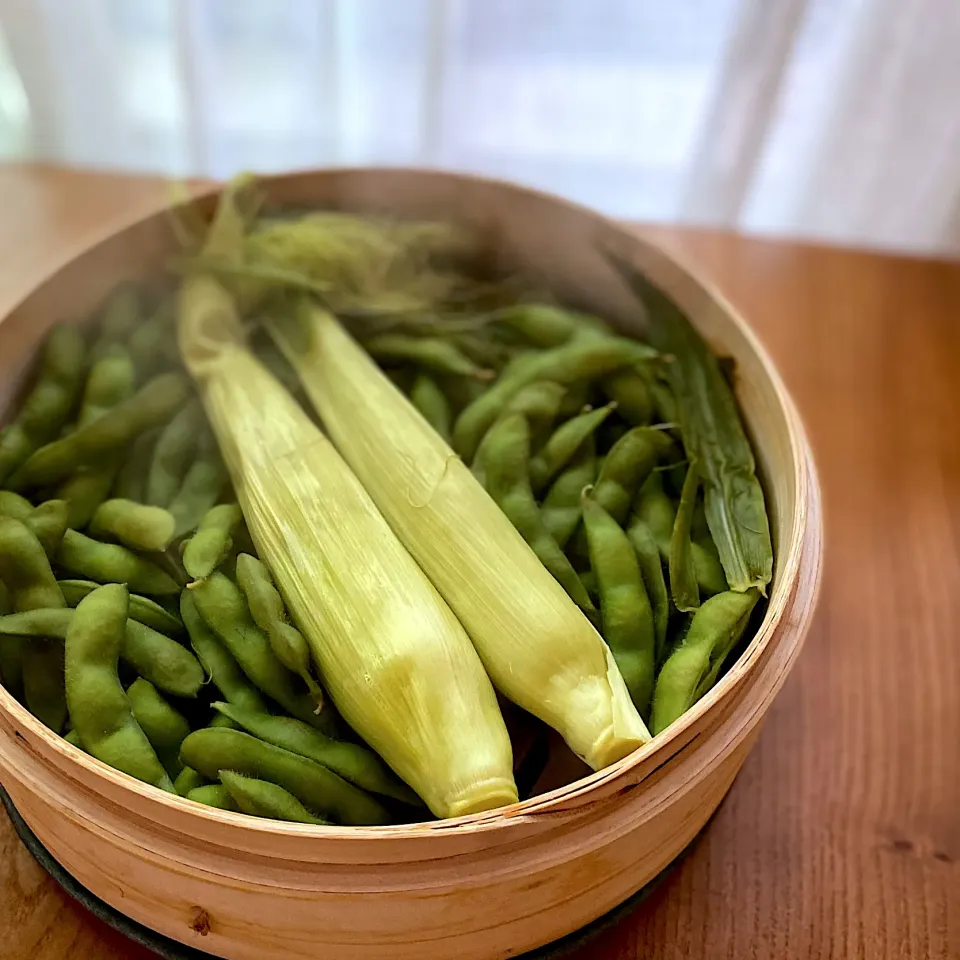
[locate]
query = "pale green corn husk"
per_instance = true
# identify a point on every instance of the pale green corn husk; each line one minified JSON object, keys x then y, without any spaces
{"x":537,"y":647}
{"x":392,"y":655}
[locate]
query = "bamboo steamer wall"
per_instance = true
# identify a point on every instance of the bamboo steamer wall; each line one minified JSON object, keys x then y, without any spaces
{"x":491,"y":885}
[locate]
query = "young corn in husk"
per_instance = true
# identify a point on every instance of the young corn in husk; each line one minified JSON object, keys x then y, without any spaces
{"x":537,"y":647}
{"x":395,"y":660}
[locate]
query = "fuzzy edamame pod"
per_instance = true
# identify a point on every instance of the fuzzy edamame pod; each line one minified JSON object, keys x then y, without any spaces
{"x":217,"y":660}
{"x":430,"y":353}
{"x":260,"y":798}
{"x":626,"y":466}
{"x":563,"y":443}
{"x":151,"y":405}
{"x":131,"y":481}
{"x":154,"y":656}
{"x":120,"y":318}
{"x":540,"y":403}
{"x":142,"y":609}
{"x":213,"y":795}
{"x":581,"y":359}
{"x":502,"y":459}
{"x":99,"y":708}
{"x":628,"y":388}
{"x":111,"y":563}
{"x":31,"y":586}
{"x":111,"y":381}
{"x":13,"y":505}
{"x":351,"y":761}
{"x":209,"y":546}
{"x":221,"y":604}
{"x":153,"y":345}
{"x":135,"y":525}
{"x":214,"y":749}
{"x":188,"y":779}
{"x":47,"y":522}
{"x":546,"y":326}
{"x":25,"y":569}
{"x":625,"y":609}
{"x":269,"y":613}
{"x":48,"y":404}
{"x":683,"y":574}
{"x":692,"y":668}
{"x":201,"y":486}
{"x":651,"y":569}
{"x":560,"y":509}
{"x":173,"y":453}
{"x":655,"y":508}
{"x":432,"y":402}
{"x":164,"y":726}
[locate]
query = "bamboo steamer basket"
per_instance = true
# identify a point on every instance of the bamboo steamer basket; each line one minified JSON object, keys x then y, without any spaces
{"x":490,"y":885}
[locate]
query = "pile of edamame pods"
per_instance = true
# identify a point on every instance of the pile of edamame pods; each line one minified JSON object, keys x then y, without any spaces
{"x":137,"y":620}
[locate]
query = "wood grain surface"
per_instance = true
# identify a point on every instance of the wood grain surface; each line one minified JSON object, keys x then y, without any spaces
{"x":841,"y":837}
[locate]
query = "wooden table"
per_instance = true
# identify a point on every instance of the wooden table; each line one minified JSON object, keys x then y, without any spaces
{"x":841,"y":836}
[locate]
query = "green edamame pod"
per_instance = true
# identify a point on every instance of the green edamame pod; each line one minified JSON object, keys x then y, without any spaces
{"x":217,"y":660}
{"x":111,"y":563}
{"x":154,"y":656}
{"x":540,"y":403}
{"x":430,"y":353}
{"x":624,"y":605}
{"x":142,"y":609}
{"x":693,"y":666}
{"x":99,"y":709}
{"x":260,"y":798}
{"x":201,"y":487}
{"x":431,"y":401}
{"x":47,"y":522}
{"x":135,"y":525}
{"x":112,"y":381}
{"x":131,"y":481}
{"x":214,"y":749}
{"x":631,"y":393}
{"x":121,"y":316}
{"x":221,"y":604}
{"x":164,"y":726}
{"x":357,"y":764}
{"x":545,"y":326}
{"x":713,"y":435}
{"x":578,"y":360}
{"x":565,"y":441}
{"x":627,"y":466}
{"x":13,"y":505}
{"x":503,"y":458}
{"x":683,"y":574}
{"x":25,"y":570}
{"x":560,"y":509}
{"x":48,"y":404}
{"x":73,"y":738}
{"x":270,"y":614}
{"x":151,"y":405}
{"x":188,"y":779}
{"x":209,"y":546}
{"x":213,"y":795}
{"x":153,"y":345}
{"x":651,"y":569}
{"x":173,"y":453}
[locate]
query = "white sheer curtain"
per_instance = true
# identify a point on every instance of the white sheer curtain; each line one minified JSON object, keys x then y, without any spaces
{"x":831,"y":119}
